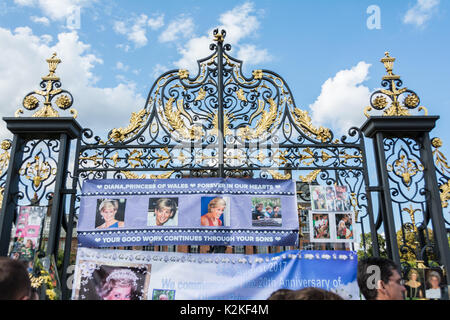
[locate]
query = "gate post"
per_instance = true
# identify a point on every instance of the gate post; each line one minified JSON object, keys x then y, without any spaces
{"x":26,"y":129}
{"x":404,"y":163}
{"x":44,"y":137}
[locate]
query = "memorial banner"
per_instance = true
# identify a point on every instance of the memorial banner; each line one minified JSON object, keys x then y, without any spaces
{"x":196,"y":211}
{"x":105,"y":274}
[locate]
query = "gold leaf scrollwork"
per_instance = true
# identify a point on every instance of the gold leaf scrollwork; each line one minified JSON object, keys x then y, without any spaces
{"x":176,"y":122}
{"x":445,"y":194}
{"x":257,"y":74}
{"x":411,"y":212}
{"x":4,"y":156}
{"x":263,"y":125}
{"x":183,"y":73}
{"x":132,"y":175}
{"x":405,"y":168}
{"x":278,"y":175}
{"x":136,"y":122}
{"x":303,"y":119}
{"x":310,"y":177}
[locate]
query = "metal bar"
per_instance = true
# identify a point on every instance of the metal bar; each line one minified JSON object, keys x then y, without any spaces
{"x":434,"y":202}
{"x":386,"y":201}
{"x":68,"y":244}
{"x":11,"y":190}
{"x":55,"y":222}
{"x":373,"y":231}
{"x":220,"y":112}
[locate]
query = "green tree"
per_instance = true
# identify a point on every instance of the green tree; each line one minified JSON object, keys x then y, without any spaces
{"x":367,"y":250}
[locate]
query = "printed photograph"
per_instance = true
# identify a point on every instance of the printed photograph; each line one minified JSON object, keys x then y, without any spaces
{"x":321,"y":227}
{"x":162,"y":212}
{"x":215,"y":212}
{"x":110,"y":213}
{"x":344,"y":226}
{"x":342,"y":199}
{"x":97,"y":281}
{"x":331,"y":198}
{"x":318,"y":198}
{"x":435,"y":284}
{"x":29,"y":224}
{"x":266,"y":212}
{"x":163,"y":294}
{"x":414,"y":284}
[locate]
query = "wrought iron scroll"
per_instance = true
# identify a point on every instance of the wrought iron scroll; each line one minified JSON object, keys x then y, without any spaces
{"x":265,"y":134}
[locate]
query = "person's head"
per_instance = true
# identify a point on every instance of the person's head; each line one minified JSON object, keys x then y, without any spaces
{"x":217,"y":206}
{"x":434,"y":279}
{"x":276,"y":209}
{"x":314,"y":294}
{"x":164,"y":210}
{"x":413,"y":274}
{"x":108,"y":209}
{"x":280,"y":294}
{"x":15,"y":282}
{"x":29,"y":243}
{"x":259,"y":206}
{"x":380,"y":279}
{"x":121,"y":284}
{"x":269,"y":209}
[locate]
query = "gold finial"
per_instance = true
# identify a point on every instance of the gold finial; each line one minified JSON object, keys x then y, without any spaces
{"x":388,"y":62}
{"x":51,"y":85}
{"x":393,"y":100}
{"x":52,"y":65}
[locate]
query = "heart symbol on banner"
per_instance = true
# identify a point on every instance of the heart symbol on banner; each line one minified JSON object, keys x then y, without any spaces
{"x":98,"y":239}
{"x":99,"y":186}
{"x":278,"y":238}
{"x":193,"y":185}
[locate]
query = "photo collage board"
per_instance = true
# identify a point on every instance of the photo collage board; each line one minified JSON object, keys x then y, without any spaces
{"x":330,"y":217}
{"x":27,"y":236}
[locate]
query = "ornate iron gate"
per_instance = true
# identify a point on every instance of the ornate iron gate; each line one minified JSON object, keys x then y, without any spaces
{"x":216,"y":123}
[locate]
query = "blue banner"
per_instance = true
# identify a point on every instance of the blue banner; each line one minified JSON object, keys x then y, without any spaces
{"x":196,"y":211}
{"x":183,"y":276}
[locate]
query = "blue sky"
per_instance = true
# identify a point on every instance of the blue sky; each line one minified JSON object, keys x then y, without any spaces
{"x":324,"y":50}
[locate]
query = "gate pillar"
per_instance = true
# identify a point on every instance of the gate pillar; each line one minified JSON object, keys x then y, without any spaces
{"x":25,"y":129}
{"x":405,"y":168}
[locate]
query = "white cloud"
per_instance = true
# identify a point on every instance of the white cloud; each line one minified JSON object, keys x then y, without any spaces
{"x":136,"y":32}
{"x":342,"y":99}
{"x":24,"y":2}
{"x":56,"y":9}
{"x":421,"y":12}
{"x":193,"y":50}
{"x":239,"y":23}
{"x":122,"y":67}
{"x":23,"y":63}
{"x":250,"y":54}
{"x":42,"y":20}
{"x":159,"y":70}
{"x":181,"y":27}
{"x":156,"y":22}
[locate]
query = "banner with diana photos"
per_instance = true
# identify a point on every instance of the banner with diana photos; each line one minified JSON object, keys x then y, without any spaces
{"x":330,"y":217}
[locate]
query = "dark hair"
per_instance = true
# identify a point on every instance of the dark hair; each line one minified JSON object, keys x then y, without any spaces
{"x":280,"y":294}
{"x":14,"y":280}
{"x":314,"y":294}
{"x":385,"y":267}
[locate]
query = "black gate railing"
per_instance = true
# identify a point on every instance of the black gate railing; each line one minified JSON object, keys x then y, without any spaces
{"x":216,"y":123}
